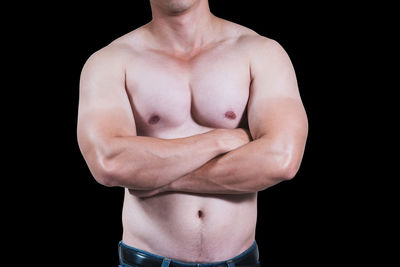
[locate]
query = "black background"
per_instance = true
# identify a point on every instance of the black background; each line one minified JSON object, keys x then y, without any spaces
{"x":312,"y":219}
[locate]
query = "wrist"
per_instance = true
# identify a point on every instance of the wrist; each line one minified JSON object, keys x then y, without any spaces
{"x":231,"y":139}
{"x":221,"y":141}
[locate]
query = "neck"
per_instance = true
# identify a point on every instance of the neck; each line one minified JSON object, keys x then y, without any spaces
{"x":184,"y":32}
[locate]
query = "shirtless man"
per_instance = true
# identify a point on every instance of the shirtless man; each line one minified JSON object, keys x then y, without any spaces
{"x":163,"y":112}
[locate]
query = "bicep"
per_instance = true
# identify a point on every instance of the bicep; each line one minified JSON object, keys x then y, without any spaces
{"x":104,"y":108}
{"x":275,"y":108}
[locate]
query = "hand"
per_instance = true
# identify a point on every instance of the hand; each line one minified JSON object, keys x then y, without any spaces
{"x":235,"y":138}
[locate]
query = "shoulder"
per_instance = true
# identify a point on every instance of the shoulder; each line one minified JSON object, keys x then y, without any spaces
{"x":252,"y":43}
{"x":117,"y":53}
{"x":264,"y":53}
{"x":106,"y":62}
{"x":260,"y":46}
{"x":110,"y":54}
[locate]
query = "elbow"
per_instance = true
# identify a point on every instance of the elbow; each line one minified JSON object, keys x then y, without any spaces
{"x":288,"y":167}
{"x":106,"y":162}
{"x":113,"y":172}
{"x":108,"y":172}
{"x":288,"y":172}
{"x":282,"y":167}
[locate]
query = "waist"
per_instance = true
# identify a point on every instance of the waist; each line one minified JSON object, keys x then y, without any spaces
{"x":190,"y":227}
{"x":137,"y":257}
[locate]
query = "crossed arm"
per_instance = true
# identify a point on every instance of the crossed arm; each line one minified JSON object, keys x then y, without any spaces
{"x":267,"y":160}
{"x":220,"y":161}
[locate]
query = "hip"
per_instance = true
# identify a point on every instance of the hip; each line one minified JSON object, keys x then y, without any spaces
{"x":131,"y":256}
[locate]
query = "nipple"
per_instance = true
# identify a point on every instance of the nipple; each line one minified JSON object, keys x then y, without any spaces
{"x":230,"y":115}
{"x":154,"y":119}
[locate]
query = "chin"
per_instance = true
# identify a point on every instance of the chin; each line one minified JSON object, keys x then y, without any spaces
{"x":177,"y":6}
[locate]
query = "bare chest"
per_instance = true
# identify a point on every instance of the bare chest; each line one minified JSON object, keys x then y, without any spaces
{"x":211,"y":90}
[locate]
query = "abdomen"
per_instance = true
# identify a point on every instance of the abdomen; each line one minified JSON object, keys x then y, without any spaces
{"x":191,"y":227}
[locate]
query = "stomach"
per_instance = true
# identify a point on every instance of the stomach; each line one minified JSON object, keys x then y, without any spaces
{"x":190,"y":227}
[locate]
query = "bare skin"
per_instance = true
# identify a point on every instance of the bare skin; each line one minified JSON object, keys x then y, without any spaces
{"x":163,"y":112}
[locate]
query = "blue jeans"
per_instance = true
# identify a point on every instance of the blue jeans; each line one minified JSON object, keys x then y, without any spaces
{"x":134,"y":257}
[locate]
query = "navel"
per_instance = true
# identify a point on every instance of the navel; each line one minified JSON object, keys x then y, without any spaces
{"x":230,"y":115}
{"x":154,"y":119}
{"x":200,"y":214}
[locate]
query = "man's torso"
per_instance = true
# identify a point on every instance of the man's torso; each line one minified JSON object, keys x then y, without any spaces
{"x":174,"y":97}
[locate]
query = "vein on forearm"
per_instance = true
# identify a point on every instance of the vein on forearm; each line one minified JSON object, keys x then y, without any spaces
{"x":250,"y":168}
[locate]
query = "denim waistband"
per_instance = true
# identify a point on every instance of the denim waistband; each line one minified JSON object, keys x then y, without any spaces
{"x":251,"y":252}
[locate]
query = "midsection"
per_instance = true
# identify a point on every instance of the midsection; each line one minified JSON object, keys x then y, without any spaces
{"x":190,"y":227}
{"x":174,"y":98}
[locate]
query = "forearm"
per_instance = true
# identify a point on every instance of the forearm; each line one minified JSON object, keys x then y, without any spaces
{"x":145,"y":163}
{"x":250,"y":168}
{"x":141,"y":162}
